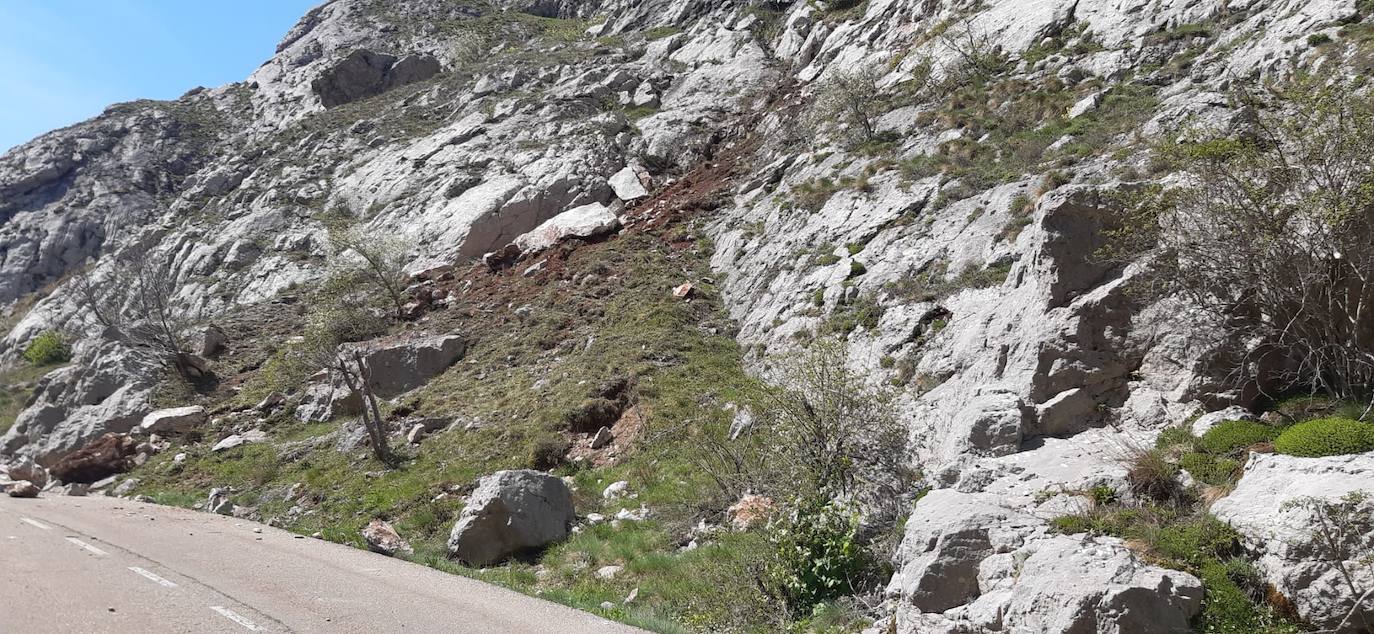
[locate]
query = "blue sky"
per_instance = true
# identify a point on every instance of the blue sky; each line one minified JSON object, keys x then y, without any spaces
{"x":64,"y":61}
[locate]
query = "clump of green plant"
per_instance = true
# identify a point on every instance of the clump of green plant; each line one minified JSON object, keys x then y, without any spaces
{"x":817,"y":555}
{"x":1230,"y":436}
{"x":1326,"y":437}
{"x":48,"y":348}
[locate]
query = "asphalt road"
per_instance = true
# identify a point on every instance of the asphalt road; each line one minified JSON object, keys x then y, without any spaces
{"x":97,"y":564}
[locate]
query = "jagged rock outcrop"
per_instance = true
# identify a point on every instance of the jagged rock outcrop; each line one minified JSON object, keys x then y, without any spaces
{"x":1321,"y":566}
{"x":107,"y":388}
{"x":367,"y":73}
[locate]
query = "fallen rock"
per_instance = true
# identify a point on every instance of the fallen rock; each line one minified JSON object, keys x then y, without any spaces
{"x":124,"y":488}
{"x":75,"y":489}
{"x":684,"y":291}
{"x":602,"y":438}
{"x":219,"y":502}
{"x":176,"y":420}
{"x":238,"y":440}
{"x":401,"y":365}
{"x":587,"y":221}
{"x":109,"y":455}
{"x":212,"y":340}
{"x":750,"y":511}
{"x":509,"y":513}
{"x":270,"y":402}
{"x":629,"y":183}
{"x":27,"y":469}
{"x":1273,"y":509}
{"x":382,"y":538}
{"x":608,"y":572}
{"x":24,"y":489}
{"x":1210,"y":419}
{"x":616,"y":490}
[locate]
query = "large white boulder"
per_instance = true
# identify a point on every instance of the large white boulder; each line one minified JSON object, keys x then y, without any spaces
{"x":175,"y":420}
{"x":511,"y":512}
{"x":587,"y":221}
{"x":1284,"y":534}
{"x":629,"y":183}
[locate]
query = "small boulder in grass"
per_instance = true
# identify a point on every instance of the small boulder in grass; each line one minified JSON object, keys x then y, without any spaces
{"x":382,"y":538}
{"x":750,"y":511}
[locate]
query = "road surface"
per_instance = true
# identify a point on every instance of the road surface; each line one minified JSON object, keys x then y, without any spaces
{"x":98,"y":564}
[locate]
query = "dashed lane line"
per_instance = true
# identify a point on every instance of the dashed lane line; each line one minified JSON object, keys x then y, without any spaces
{"x":36,"y":523}
{"x":152,"y":577}
{"x":87,"y":546}
{"x":236,"y":617}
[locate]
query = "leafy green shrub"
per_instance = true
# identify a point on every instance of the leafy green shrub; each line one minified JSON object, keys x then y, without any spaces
{"x":1225,"y":607}
{"x":1208,"y":468}
{"x":1326,"y":437}
{"x":1317,"y":39}
{"x":48,"y":348}
{"x":1230,"y":436}
{"x":817,"y":555}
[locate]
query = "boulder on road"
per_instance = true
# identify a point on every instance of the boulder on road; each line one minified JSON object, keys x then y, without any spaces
{"x":27,"y":469}
{"x":382,"y":538}
{"x":24,"y":489}
{"x":176,"y":420}
{"x":108,"y":455}
{"x":509,"y":513}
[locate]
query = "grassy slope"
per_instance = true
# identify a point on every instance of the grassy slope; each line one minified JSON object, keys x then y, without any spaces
{"x":520,"y":379}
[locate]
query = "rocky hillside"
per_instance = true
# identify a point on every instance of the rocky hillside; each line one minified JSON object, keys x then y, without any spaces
{"x":619,"y":222}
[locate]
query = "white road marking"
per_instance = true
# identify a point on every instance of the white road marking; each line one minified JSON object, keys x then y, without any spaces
{"x":236,"y":617}
{"x":153,"y":577}
{"x":37,"y":523}
{"x":87,"y":546}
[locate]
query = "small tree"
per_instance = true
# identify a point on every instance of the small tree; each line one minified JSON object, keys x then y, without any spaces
{"x":135,"y":303}
{"x":854,"y":99}
{"x":322,"y":348}
{"x":835,"y":435}
{"x":1271,"y":235}
{"x":381,"y":261}
{"x":977,"y":57}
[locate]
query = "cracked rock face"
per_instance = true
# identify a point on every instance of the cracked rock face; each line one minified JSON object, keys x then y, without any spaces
{"x":1302,"y":557}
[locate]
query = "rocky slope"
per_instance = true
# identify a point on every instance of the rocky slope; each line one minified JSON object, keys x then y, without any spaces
{"x":952,"y":251}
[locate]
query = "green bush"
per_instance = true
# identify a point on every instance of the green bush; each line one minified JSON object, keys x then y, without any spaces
{"x":1209,"y":469}
{"x":1230,"y":436}
{"x":1326,"y":437}
{"x":48,"y":348}
{"x":817,"y":555}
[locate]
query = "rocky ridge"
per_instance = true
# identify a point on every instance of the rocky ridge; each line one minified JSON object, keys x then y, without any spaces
{"x":1029,"y":363}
